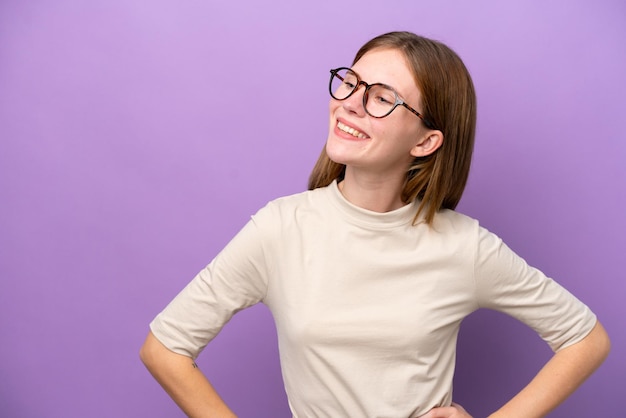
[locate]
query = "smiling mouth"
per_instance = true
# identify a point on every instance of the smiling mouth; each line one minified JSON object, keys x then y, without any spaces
{"x":344,"y":128}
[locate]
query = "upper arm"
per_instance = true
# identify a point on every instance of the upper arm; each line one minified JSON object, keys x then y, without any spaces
{"x":506,"y":283}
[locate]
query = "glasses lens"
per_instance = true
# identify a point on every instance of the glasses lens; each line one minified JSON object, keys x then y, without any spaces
{"x":342,"y":83}
{"x":380,"y":100}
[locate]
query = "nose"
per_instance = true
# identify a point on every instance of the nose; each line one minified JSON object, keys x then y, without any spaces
{"x":355,"y":103}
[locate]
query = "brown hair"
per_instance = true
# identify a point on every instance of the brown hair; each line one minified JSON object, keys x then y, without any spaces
{"x":448,"y":103}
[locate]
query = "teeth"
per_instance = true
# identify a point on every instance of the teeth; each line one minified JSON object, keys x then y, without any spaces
{"x":350,"y":130}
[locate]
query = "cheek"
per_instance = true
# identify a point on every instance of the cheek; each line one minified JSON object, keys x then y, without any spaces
{"x":331,"y":117}
{"x":400,"y":133}
{"x":332,"y":106}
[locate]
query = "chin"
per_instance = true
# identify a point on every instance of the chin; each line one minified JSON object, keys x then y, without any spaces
{"x":337,"y":155}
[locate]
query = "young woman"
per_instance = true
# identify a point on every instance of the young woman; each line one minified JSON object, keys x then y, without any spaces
{"x":369,"y":273}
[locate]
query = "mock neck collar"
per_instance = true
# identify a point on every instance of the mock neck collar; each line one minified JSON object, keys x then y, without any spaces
{"x":369,"y":218}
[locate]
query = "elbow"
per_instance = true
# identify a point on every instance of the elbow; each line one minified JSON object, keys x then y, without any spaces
{"x":155,"y":355}
{"x":148,"y":351}
{"x":603,"y":342}
{"x":596,"y":346}
{"x":143,"y":354}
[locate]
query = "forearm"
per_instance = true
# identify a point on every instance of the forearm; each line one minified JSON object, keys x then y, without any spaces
{"x":559,"y":378}
{"x":183,"y":381}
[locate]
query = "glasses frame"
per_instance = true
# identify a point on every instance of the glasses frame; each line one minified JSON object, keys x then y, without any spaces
{"x":359,"y":82}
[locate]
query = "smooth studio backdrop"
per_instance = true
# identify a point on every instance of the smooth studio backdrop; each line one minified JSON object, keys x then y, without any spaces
{"x":137,"y":137}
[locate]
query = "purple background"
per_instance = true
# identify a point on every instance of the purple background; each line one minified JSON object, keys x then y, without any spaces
{"x":137,"y":137}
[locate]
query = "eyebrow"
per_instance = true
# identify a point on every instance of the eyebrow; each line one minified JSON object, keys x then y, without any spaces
{"x":402,"y":96}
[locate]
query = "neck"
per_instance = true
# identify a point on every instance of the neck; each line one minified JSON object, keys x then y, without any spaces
{"x":376,"y":193}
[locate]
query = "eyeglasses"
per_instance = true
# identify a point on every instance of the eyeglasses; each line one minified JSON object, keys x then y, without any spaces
{"x":379,"y":100}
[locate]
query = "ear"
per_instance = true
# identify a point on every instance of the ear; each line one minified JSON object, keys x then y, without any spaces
{"x":428,"y":144}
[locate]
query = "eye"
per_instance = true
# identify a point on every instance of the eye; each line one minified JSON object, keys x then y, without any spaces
{"x":349,"y":81}
{"x":384,"y":96}
{"x":383,"y":99}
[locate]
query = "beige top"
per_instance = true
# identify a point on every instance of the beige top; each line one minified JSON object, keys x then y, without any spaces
{"x":367,"y":306}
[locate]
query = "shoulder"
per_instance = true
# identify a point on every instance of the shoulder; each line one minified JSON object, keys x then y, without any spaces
{"x":292,"y":207}
{"x":450,"y":222}
{"x":466,"y":231}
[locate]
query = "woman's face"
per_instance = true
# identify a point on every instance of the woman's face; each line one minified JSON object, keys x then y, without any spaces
{"x":385,"y":146}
